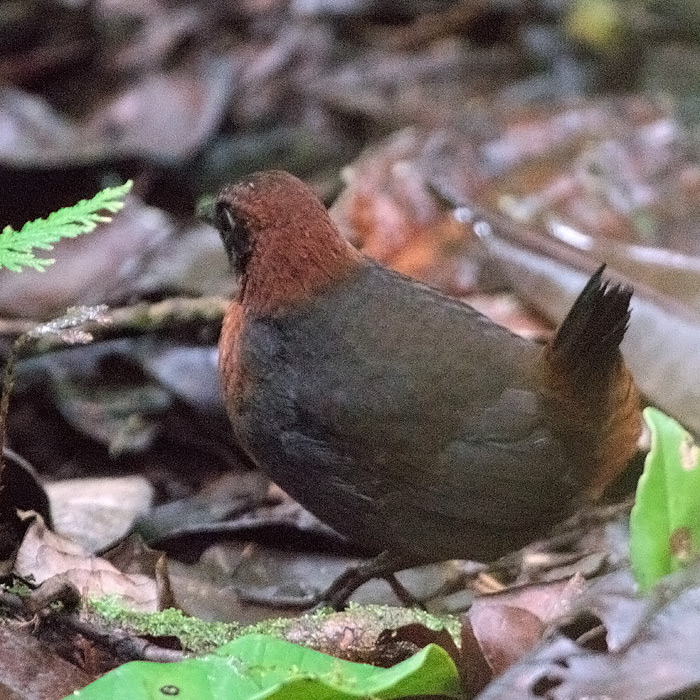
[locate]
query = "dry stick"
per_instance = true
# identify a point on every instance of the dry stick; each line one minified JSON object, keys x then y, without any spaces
{"x":146,"y":318}
{"x":133,"y":647}
{"x":16,"y":326}
{"x":140,"y":318}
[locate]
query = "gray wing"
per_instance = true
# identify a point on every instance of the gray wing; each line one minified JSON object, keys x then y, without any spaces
{"x":397,"y":404}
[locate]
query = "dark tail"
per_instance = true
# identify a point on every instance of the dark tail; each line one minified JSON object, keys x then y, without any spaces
{"x":598,"y":403}
{"x":587,"y":342}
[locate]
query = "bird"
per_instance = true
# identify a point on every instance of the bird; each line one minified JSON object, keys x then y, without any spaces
{"x":401,"y":417}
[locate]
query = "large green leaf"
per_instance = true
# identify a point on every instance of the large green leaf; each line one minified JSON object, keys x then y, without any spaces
{"x":665,"y":520}
{"x":257,"y":667}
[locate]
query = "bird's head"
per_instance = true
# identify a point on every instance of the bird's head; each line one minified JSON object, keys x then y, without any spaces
{"x":280,"y":239}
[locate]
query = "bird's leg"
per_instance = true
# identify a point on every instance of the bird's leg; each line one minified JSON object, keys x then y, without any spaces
{"x":384,"y":565}
{"x":405,"y":596}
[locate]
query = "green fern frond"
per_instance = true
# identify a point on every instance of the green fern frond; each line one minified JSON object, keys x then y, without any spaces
{"x":16,"y":246}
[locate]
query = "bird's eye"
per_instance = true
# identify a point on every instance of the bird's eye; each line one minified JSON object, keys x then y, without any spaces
{"x":234,"y":237}
{"x":223,"y":219}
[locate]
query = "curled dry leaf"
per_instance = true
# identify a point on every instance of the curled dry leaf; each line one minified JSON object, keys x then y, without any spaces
{"x":44,"y":555}
{"x":133,"y":556}
{"x":616,"y":644}
{"x":505,"y":633}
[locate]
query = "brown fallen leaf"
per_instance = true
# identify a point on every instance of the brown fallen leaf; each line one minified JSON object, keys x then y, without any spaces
{"x":43,"y":555}
{"x":505,"y":633}
{"x":31,"y":670}
{"x":499,"y":629}
{"x":615,"y":644}
{"x":389,"y":211}
{"x":133,"y":556}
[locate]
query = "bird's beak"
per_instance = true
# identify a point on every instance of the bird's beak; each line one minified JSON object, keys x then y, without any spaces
{"x":205,"y":210}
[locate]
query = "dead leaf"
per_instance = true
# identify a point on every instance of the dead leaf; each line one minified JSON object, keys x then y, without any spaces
{"x":388,"y":210}
{"x":505,"y":633}
{"x":97,"y":512}
{"x":31,"y":670}
{"x":44,"y":555}
{"x":615,"y":644}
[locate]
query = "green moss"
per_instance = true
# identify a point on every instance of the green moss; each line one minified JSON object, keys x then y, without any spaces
{"x":200,"y":637}
{"x":274,"y":626}
{"x":196,"y":636}
{"x":392,"y":616}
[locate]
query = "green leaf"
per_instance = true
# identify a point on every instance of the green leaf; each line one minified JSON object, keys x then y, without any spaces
{"x":16,"y":246}
{"x":258,"y":667}
{"x":665,"y":520}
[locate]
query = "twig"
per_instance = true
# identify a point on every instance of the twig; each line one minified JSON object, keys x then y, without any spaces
{"x":146,"y":318}
{"x":16,"y":326}
{"x":124,"y":644}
